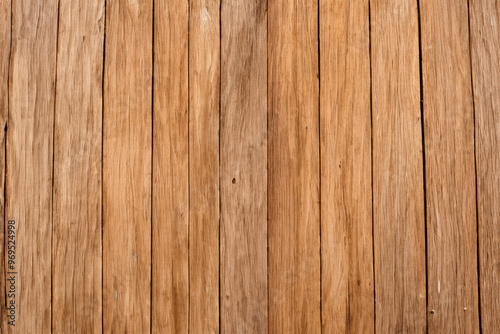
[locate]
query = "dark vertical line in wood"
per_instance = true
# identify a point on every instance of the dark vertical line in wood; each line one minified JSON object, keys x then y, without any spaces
{"x":423,"y":162}
{"x":4,"y":266}
{"x":102,"y":166}
{"x":152,"y":165}
{"x":319,"y":157}
{"x":220,"y":107}
{"x":189,"y":164}
{"x":267,"y":158}
{"x":475,"y":171}
{"x":371,"y":164}
{"x":53,"y":170}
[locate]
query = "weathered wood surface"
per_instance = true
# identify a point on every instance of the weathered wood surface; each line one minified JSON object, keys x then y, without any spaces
{"x":398,"y":185}
{"x":170,"y":262}
{"x":204,"y":216}
{"x":243,"y":179}
{"x":250,"y":166}
{"x":293,"y":168}
{"x":347,"y":289}
{"x":77,"y":188}
{"x":127,"y":149}
{"x":29,"y":155}
{"x":484,"y":18}
{"x":450,"y":169}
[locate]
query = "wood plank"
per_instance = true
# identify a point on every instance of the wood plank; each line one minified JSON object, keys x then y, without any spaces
{"x":398,"y":185}
{"x":204,"y":87}
{"x":450,"y":175}
{"x":77,"y":247}
{"x":170,"y":169}
{"x":485,"y":52}
{"x":244,"y":167}
{"x":5,"y":41}
{"x":293,"y":168}
{"x":29,"y":159}
{"x":346,"y":198}
{"x":127,"y":166}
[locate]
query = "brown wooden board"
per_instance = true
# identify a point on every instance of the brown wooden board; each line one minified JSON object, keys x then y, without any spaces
{"x":485,"y":53}
{"x":127,"y":145}
{"x":450,"y":171}
{"x":347,"y":289}
{"x":243,"y":179}
{"x":30,"y":161}
{"x":398,"y":185}
{"x":170,"y":281}
{"x":293,"y":168}
{"x":76,"y":235}
{"x":204,"y":93}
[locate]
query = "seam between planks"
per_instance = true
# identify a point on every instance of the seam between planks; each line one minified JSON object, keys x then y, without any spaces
{"x":189,"y":164}
{"x":220,"y":202}
{"x":152,"y":169}
{"x":102,"y":165}
{"x":319,"y":164}
{"x":423,"y":163}
{"x":5,"y":157}
{"x":53,"y":171}
{"x":475,"y":171}
{"x":267,"y":161}
{"x":371,"y":165}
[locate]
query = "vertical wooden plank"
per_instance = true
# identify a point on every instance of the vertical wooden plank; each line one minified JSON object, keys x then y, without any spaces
{"x":485,"y":52}
{"x":77,"y":256}
{"x":29,"y":159}
{"x":170,"y":168}
{"x":5,"y":40}
{"x":204,"y":87}
{"x":293,"y":168}
{"x":398,"y":185}
{"x":450,"y":176}
{"x":244,"y":167}
{"x":127,"y":166}
{"x":346,"y":188}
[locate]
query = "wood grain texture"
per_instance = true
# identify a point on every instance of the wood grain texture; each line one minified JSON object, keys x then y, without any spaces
{"x":77,"y":247}
{"x":450,"y":176}
{"x":243,"y":166}
{"x":293,"y":168}
{"x":29,"y":159}
{"x":127,"y":166}
{"x":5,"y":40}
{"x":170,"y":281}
{"x":485,"y":52}
{"x":346,"y":199}
{"x":204,"y":88}
{"x":398,"y":186}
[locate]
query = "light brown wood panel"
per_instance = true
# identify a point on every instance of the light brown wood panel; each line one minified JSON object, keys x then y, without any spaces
{"x":170,"y":281}
{"x":127,"y":144}
{"x":398,"y":185}
{"x":204,"y":88}
{"x":77,"y":247}
{"x":29,"y":160}
{"x":243,"y":178}
{"x":450,"y":176}
{"x":293,"y":167}
{"x":5,"y":40}
{"x":347,"y":289}
{"x":485,"y":52}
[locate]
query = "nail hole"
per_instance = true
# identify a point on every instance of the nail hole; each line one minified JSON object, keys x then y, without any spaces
{"x":233,"y":181}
